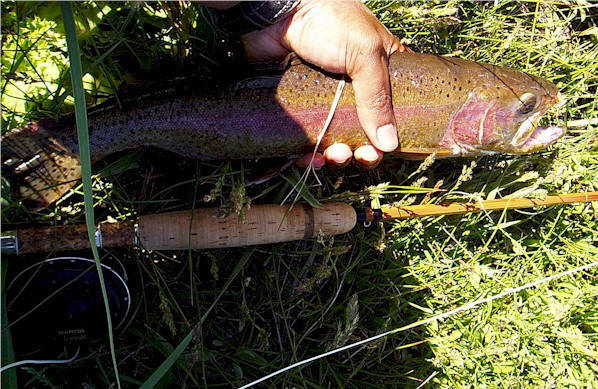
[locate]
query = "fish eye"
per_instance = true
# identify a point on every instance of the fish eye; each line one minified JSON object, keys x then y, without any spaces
{"x":527,"y":103}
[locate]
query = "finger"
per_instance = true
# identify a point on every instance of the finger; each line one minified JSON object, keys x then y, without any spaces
{"x":401,"y":48}
{"x":338,"y":155}
{"x":396,"y":45}
{"x":373,"y":98}
{"x":318,"y":161}
{"x":368,"y":156}
{"x":406,"y":49}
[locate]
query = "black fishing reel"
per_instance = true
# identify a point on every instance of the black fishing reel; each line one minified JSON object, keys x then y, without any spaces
{"x":56,"y":305}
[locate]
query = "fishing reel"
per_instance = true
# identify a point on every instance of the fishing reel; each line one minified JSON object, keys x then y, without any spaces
{"x":56,"y":305}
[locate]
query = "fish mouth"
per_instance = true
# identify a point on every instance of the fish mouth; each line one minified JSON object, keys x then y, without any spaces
{"x":530,"y":137}
{"x":525,"y":130}
{"x":540,"y":137}
{"x":529,"y":129}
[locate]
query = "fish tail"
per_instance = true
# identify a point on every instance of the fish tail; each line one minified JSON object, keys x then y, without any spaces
{"x":38,"y":166}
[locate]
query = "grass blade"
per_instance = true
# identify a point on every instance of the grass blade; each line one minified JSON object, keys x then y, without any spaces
{"x":430,"y":319}
{"x":176,"y":354}
{"x":85,"y":158}
{"x":9,"y":378}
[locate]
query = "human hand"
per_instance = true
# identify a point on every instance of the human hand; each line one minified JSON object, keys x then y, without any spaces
{"x":340,"y":37}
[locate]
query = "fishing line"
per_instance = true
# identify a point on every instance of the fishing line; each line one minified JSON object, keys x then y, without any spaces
{"x":503,"y":81}
{"x":548,"y":208}
{"x":303,"y":178}
{"x":50,"y":296}
{"x":426,"y":321}
{"x":427,"y":380}
{"x":40,"y":361}
{"x":494,"y":74}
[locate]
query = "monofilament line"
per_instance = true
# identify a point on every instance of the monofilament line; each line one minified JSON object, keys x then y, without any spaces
{"x":310,"y":168}
{"x":426,"y":321}
{"x":40,"y":361}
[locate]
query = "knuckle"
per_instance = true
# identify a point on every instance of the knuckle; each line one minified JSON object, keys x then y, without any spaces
{"x":394,"y":46}
{"x":373,"y":46}
{"x":367,"y":42}
{"x":380,"y":101}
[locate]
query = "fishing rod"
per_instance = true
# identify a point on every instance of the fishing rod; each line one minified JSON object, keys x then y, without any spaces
{"x":261,"y":224}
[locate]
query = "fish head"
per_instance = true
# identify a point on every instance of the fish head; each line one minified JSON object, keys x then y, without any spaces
{"x":502,"y":113}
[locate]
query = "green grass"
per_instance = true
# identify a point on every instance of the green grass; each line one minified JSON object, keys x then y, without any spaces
{"x":293,"y":301}
{"x":85,"y":158}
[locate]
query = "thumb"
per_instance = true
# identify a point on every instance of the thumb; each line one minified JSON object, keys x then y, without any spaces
{"x":373,"y":97}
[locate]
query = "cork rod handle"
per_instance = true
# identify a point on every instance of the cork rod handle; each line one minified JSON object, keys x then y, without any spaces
{"x":262,"y":224}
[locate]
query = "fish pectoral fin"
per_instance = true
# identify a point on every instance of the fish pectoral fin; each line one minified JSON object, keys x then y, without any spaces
{"x":270,"y":173}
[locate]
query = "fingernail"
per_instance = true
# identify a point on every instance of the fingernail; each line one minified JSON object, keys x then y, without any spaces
{"x":339,"y":165}
{"x":387,"y":138}
{"x":367,"y":155}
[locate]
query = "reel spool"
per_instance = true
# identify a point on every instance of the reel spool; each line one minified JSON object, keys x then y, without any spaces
{"x":56,"y":305}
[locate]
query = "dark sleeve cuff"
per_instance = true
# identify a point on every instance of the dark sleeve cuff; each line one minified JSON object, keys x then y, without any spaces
{"x":249,"y":16}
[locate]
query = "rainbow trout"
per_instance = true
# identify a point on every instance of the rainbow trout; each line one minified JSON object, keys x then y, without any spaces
{"x":442,"y":105}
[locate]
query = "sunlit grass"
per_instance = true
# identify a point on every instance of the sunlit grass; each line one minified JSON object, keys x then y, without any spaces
{"x":293,"y":301}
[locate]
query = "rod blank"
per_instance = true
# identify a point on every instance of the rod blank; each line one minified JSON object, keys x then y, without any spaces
{"x":484,"y":205}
